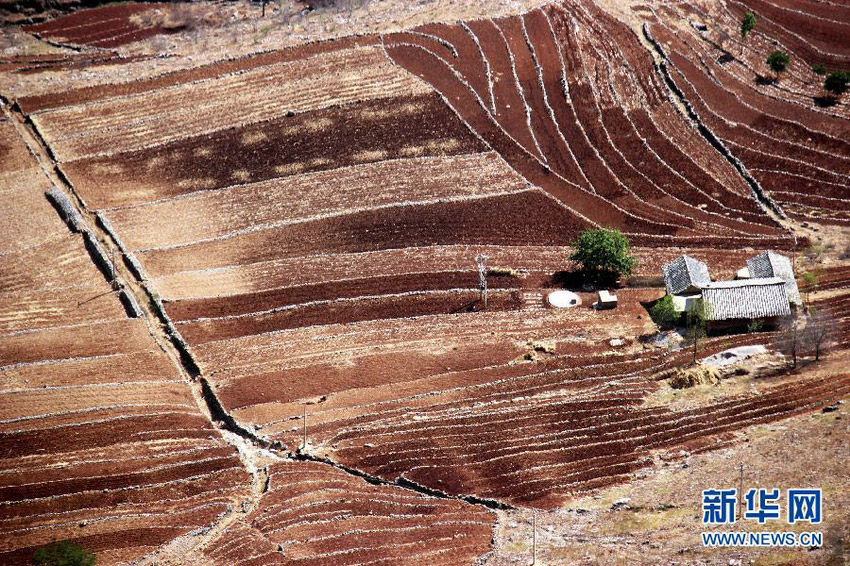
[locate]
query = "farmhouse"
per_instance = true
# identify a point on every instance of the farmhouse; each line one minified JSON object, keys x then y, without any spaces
{"x":764,"y":291}
{"x":685,"y":275}
{"x":772,"y":264}
{"x":732,"y":304}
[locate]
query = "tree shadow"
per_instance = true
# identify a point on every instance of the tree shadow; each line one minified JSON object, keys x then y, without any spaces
{"x":765,"y":81}
{"x":825,"y":101}
{"x":580,"y":280}
{"x":725,"y":58}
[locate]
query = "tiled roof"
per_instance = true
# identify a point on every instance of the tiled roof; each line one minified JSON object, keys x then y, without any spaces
{"x":746,"y":299}
{"x":684,"y":273}
{"x":772,"y":264}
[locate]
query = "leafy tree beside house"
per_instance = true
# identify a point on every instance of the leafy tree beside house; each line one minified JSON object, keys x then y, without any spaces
{"x":604,"y":254}
{"x":778,"y":62}
{"x":64,"y":553}
{"x":664,"y":313}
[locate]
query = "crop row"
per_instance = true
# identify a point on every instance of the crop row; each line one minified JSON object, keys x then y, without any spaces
{"x":102,"y":442}
{"x":367,"y":132}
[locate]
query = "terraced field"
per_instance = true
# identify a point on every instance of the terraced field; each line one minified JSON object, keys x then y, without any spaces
{"x":358,"y":523}
{"x":102,"y":441}
{"x":792,"y":143}
{"x":104,"y":27}
{"x":308,"y":251}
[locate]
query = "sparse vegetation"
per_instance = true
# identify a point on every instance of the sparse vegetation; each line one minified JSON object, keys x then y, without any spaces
{"x":64,"y":553}
{"x":755,"y":326}
{"x":819,"y":325}
{"x":787,"y":341}
{"x":810,"y":283}
{"x":604,"y":254}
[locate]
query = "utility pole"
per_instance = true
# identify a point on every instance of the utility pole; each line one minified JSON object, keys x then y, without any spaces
{"x":533,"y":538}
{"x":481,"y":261}
{"x":304,"y":430}
{"x":741,"y":491}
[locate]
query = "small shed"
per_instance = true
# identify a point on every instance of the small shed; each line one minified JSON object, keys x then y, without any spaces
{"x":685,"y":275}
{"x":606,"y":300}
{"x":772,"y":264}
{"x":735,"y":303}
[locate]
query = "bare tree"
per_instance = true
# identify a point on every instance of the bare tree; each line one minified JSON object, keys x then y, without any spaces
{"x":788,"y":339}
{"x":819,"y":325}
{"x":697,"y":316}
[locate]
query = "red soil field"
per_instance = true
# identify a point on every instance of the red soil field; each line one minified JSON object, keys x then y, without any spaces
{"x":541,"y":63}
{"x":795,"y":150}
{"x":314,"y":247}
{"x":442,"y":223}
{"x":103,"y":443}
{"x":32,"y":104}
{"x":106,"y":26}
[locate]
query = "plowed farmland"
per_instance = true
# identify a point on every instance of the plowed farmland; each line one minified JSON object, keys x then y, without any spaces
{"x":102,"y":442}
{"x":360,"y":523}
{"x":258,"y":336}
{"x":104,"y":27}
{"x":794,"y":145}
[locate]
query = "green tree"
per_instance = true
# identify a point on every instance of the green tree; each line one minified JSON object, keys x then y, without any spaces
{"x":748,"y":24}
{"x":663,"y":312}
{"x":697,"y":315}
{"x":819,"y":69}
{"x":64,"y":553}
{"x":778,"y":62}
{"x":604,"y":254}
{"x":837,"y":82}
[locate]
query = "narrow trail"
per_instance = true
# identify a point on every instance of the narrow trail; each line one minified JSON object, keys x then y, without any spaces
{"x":255,"y":452}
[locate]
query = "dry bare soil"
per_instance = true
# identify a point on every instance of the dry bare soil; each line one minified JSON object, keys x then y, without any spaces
{"x":246,"y":328}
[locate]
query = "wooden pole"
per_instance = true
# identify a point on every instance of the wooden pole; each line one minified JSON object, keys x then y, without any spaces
{"x":304,"y":429}
{"x":741,"y":492}
{"x":533,"y":538}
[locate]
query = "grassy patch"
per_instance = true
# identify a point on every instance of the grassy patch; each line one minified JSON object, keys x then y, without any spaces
{"x":639,"y":520}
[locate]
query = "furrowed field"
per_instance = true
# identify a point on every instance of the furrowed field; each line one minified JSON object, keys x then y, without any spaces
{"x":257,"y":337}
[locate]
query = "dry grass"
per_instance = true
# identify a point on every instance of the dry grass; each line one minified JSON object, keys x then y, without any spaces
{"x":693,"y":376}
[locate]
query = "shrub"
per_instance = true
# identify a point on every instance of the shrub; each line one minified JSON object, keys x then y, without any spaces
{"x":64,"y":553}
{"x":836,"y":82}
{"x":604,"y":254}
{"x":664,"y":313}
{"x":819,"y":69}
{"x":778,"y":61}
